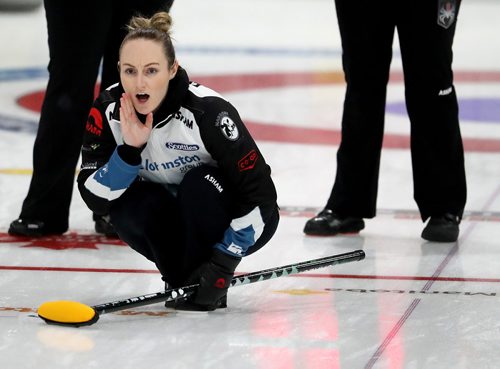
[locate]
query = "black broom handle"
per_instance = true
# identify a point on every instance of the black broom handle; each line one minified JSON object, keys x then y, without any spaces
{"x":183,"y":292}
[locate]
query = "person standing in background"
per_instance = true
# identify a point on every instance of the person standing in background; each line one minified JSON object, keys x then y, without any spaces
{"x":426,"y":30}
{"x":80,"y":36}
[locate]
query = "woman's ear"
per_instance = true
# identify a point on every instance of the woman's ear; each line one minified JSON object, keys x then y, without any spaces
{"x":173,"y":69}
{"x":118,"y":66}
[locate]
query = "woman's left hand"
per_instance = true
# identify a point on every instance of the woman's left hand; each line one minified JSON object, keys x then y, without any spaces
{"x":134,"y":132}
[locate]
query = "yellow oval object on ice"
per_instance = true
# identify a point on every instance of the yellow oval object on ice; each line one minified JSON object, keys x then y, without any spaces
{"x":67,"y":313}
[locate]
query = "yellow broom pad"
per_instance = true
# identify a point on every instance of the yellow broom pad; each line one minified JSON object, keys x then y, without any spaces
{"x":67,"y":312}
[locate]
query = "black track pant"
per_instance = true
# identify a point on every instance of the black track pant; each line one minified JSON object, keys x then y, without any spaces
{"x":80,"y":34}
{"x":367,"y":28}
{"x":178,"y":233}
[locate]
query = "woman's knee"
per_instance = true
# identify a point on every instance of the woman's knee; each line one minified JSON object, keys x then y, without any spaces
{"x":204,"y":185}
{"x":139,"y":206}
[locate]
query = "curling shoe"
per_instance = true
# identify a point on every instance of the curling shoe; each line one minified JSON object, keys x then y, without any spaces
{"x":187,"y":306}
{"x":327,"y":223}
{"x":33,"y":228}
{"x":104,"y":226}
{"x":442,"y":228}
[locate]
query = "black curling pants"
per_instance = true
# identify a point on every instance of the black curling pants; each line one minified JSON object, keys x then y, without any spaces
{"x":178,"y":233}
{"x":80,"y":34}
{"x":367,"y":29}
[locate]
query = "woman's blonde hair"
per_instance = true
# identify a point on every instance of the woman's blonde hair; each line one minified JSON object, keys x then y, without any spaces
{"x":157,"y":28}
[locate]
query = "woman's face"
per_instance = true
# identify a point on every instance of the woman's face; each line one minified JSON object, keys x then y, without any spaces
{"x":145,"y":73}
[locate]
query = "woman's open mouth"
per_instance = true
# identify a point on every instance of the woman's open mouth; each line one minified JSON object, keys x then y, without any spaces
{"x":142,"y":98}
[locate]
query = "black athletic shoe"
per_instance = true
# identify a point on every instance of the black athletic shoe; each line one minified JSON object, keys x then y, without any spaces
{"x":442,"y":228}
{"x":191,"y":307}
{"x":33,"y":228}
{"x":327,"y":223}
{"x":187,"y":305}
{"x":104,"y":226}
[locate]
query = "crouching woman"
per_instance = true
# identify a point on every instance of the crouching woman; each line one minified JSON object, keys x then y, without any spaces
{"x":177,"y":170}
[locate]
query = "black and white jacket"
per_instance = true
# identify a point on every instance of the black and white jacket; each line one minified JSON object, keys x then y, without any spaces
{"x":193,"y":126}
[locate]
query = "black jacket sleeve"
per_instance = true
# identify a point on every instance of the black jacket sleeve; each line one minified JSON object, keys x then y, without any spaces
{"x":107,"y":168}
{"x":236,"y":153}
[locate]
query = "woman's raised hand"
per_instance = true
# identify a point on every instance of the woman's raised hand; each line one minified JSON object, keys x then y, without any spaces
{"x":134,"y":132}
